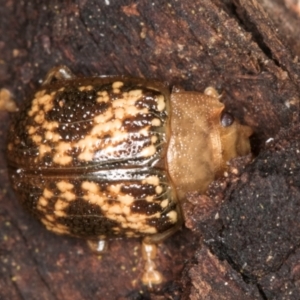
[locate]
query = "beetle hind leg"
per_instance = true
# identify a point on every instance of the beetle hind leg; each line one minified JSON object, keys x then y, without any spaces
{"x":151,"y":276}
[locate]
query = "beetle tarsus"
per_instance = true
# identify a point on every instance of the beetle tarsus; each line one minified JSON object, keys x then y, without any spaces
{"x":151,"y":276}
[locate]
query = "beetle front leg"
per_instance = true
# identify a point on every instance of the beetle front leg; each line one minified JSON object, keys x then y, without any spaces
{"x":58,"y":73}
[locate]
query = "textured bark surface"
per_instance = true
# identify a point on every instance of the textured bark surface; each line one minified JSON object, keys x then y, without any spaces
{"x":249,"y":221}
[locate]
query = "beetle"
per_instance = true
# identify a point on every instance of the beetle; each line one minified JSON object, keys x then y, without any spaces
{"x":114,"y":156}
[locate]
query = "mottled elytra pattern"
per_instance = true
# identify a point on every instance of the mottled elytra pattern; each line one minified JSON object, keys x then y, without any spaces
{"x":80,"y":124}
{"x":86,"y":157}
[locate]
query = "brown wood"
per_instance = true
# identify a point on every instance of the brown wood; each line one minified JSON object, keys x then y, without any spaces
{"x":249,"y":51}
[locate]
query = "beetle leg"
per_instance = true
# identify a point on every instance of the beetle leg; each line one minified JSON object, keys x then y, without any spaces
{"x":58,"y":73}
{"x":151,"y":276}
{"x":97,"y":246}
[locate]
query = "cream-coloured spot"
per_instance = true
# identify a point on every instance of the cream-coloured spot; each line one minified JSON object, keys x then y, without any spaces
{"x":145,"y":131}
{"x":86,"y":155}
{"x":41,"y":101}
{"x":31,"y":129}
{"x":115,"y":188}
{"x":60,"y":205}
{"x":164,"y":203}
{"x":50,"y":125}
{"x":43,"y":201}
{"x":50,"y":218}
{"x":153,"y":180}
{"x":47,"y":223}
{"x":149,"y":198}
{"x":112,"y":126}
{"x":102,"y":93}
{"x":60,"y":213}
{"x":130,"y":234}
{"x":41,"y":208}
{"x":48,"y":106}
{"x":59,"y":228}
{"x":117,"y":84}
{"x":56,"y":137}
{"x":33,"y":110}
{"x":158,"y":189}
{"x":117,"y":217}
{"x":93,"y":194}
{"x":102,"y":97}
{"x":36,"y":138}
{"x":62,"y":159}
{"x":104,"y":117}
{"x":126,"y":210}
{"x":136,"y":218}
{"x":68,"y":195}
{"x":40,"y":117}
{"x":95,"y":199}
{"x":87,"y":142}
{"x":39,"y":94}
{"x":105,"y":207}
{"x":43,"y":149}
{"x":90,"y":186}
{"x":154,"y":139}
{"x":47,"y":194}
{"x":115,"y":209}
{"x":131,"y":226}
{"x":156,"y":122}
{"x":148,"y":151}
{"x":45,"y":99}
{"x":64,"y":186}
{"x":86,"y":88}
{"x":160,"y":103}
{"x":126,"y":199}
{"x":119,"y":113}
{"x":172,"y":215}
{"x":135,"y":93}
{"x":51,"y":136}
{"x":121,"y":103}
{"x":63,"y":146}
{"x":116,"y":91}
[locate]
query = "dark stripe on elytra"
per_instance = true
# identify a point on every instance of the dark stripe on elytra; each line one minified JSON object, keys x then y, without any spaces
{"x":83,"y":208}
{"x":148,"y":101}
{"x":144,"y":207}
{"x":138,"y":190}
{"x":75,"y":116}
{"x":88,"y":226}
